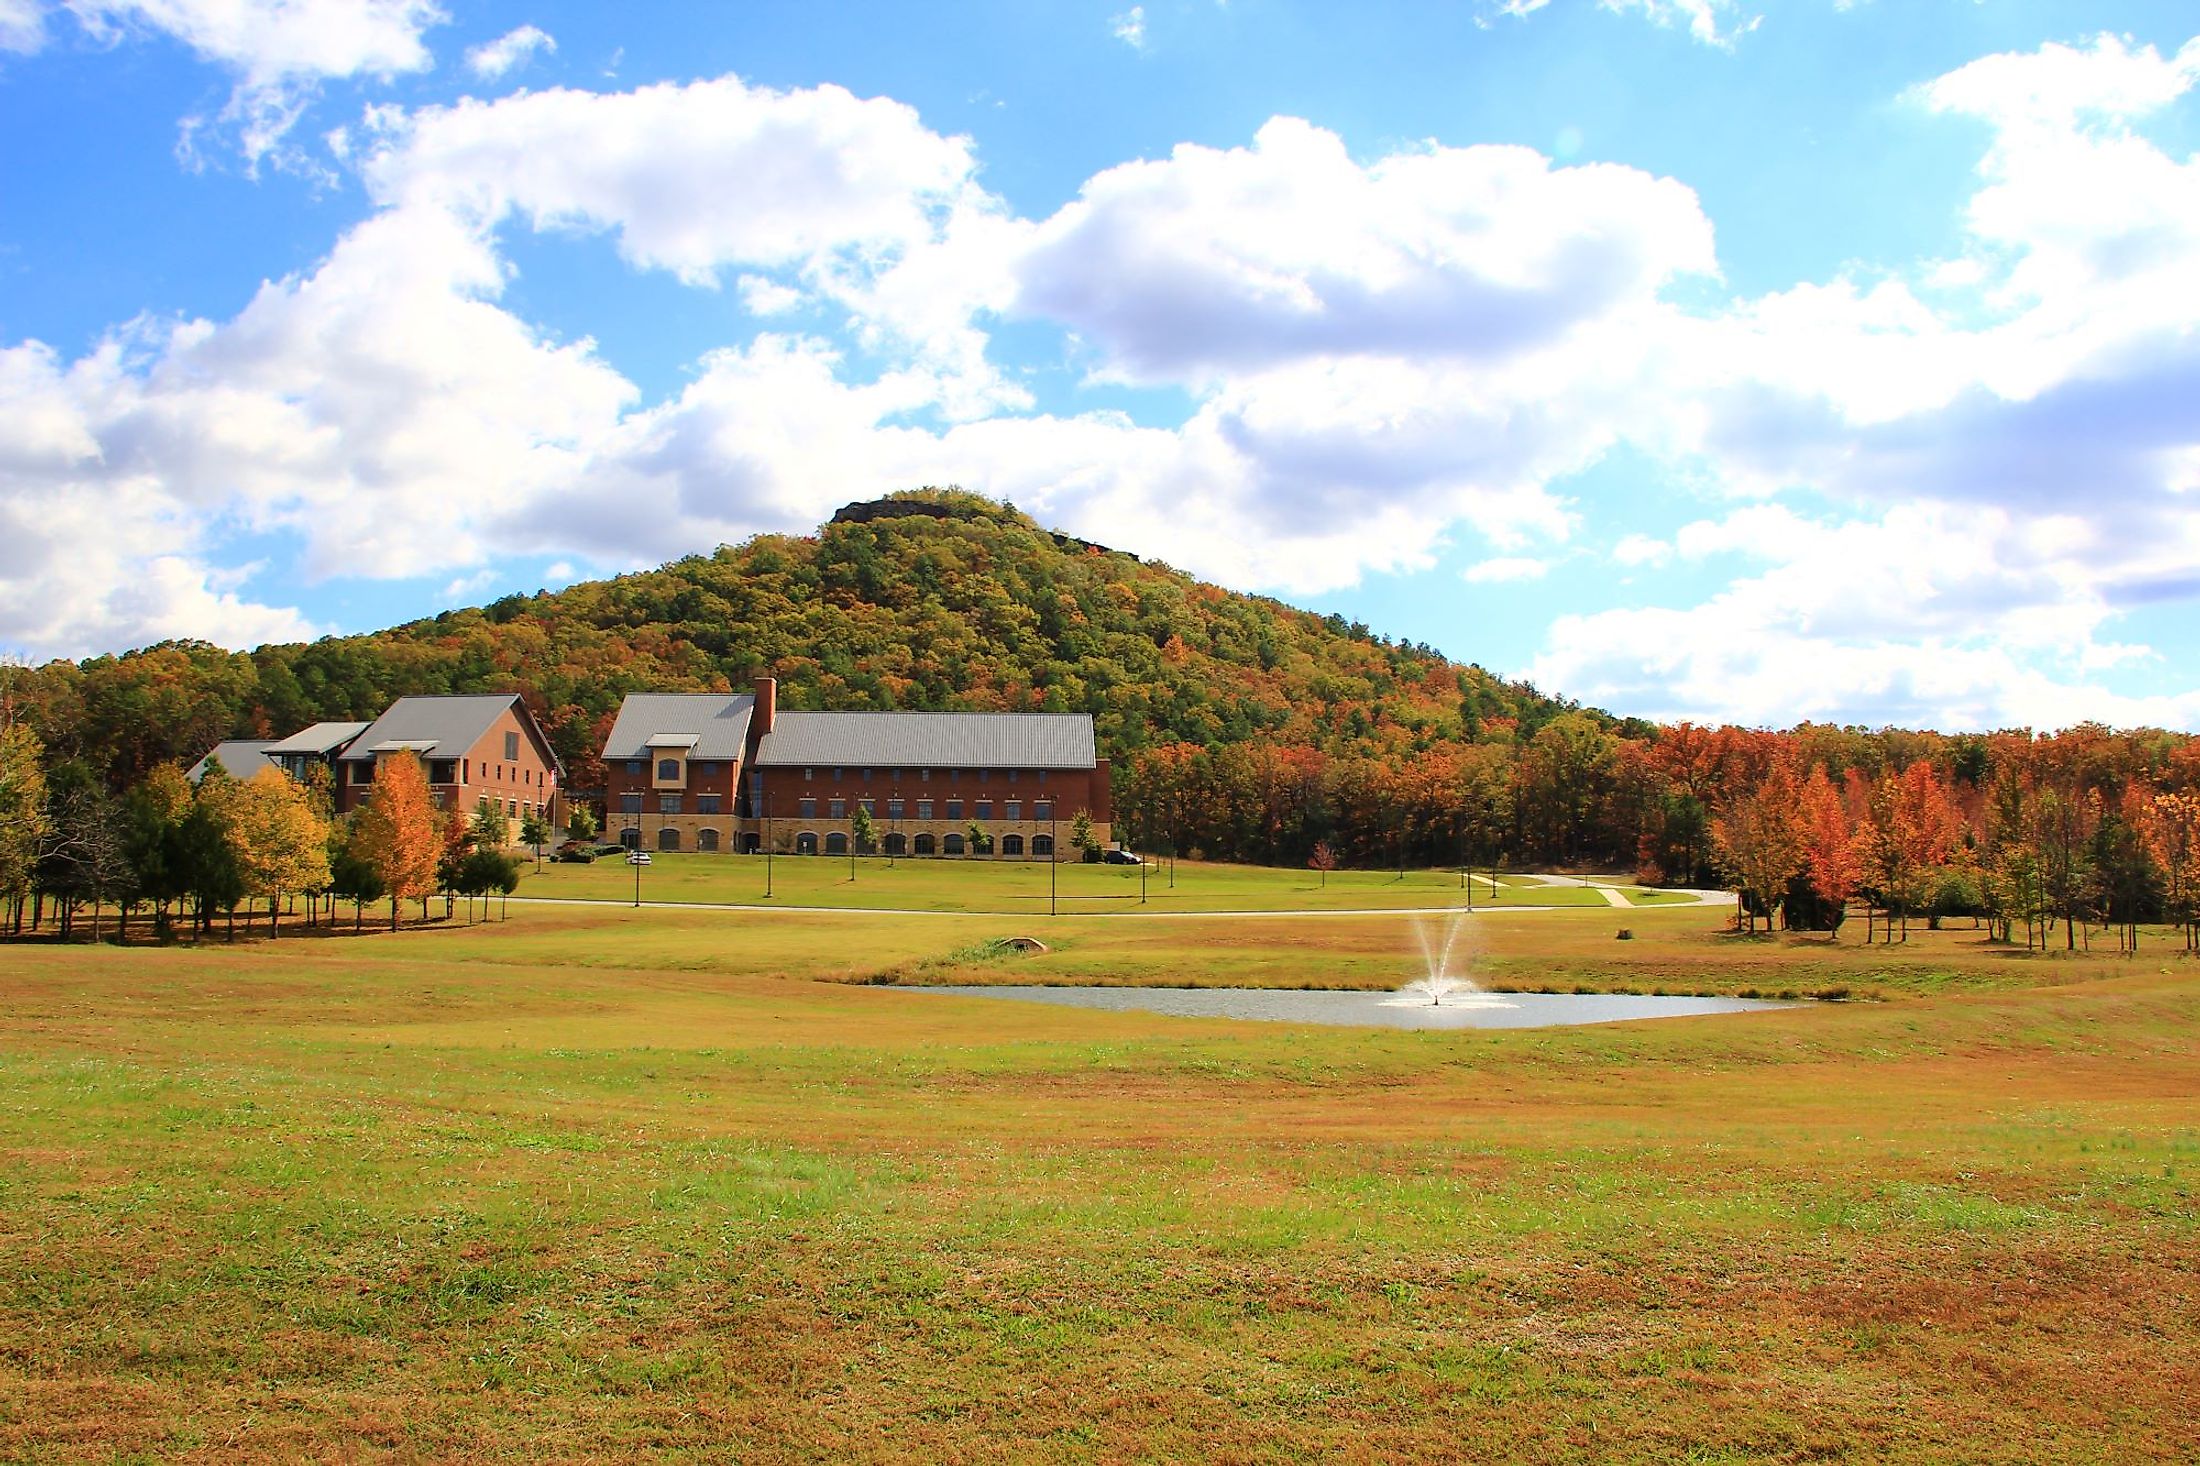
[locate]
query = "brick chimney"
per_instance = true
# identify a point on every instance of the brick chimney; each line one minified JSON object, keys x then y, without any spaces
{"x":767,"y":705}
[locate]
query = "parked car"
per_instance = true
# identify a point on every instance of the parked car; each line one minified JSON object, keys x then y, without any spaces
{"x":575,"y":855}
{"x":1120,"y":857}
{"x":637,"y":857}
{"x":609,"y":850}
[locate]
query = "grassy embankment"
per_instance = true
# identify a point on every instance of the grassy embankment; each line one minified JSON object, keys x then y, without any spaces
{"x":597,"y":1183}
{"x":1021,"y":886}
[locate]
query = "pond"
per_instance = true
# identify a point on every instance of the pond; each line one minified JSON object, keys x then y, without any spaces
{"x":1369,"y":1009}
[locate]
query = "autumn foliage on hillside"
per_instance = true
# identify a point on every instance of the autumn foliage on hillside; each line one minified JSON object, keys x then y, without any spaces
{"x":955,"y":602}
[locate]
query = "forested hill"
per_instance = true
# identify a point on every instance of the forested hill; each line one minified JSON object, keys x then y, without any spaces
{"x":932,"y":599}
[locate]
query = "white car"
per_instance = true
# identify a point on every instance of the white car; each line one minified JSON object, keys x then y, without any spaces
{"x":637,"y":857}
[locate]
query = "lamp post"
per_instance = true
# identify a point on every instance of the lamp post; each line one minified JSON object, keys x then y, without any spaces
{"x":767,"y":847}
{"x":634,"y":858}
{"x":1054,"y":861}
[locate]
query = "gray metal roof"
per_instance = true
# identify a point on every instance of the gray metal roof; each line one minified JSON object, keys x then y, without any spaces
{"x":718,"y":721}
{"x":241,"y":758}
{"x":319,"y":738}
{"x":934,"y":740}
{"x":445,"y":725}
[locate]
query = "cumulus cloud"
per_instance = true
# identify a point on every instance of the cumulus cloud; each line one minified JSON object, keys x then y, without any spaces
{"x":492,"y":59}
{"x":1130,"y":27}
{"x":279,"y":50}
{"x":1220,"y":260}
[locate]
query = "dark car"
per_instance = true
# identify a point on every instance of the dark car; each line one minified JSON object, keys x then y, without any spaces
{"x":1119,"y":857}
{"x":575,"y":855}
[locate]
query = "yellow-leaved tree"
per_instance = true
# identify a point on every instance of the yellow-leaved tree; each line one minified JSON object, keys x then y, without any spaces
{"x":395,"y":832}
{"x":281,"y":843}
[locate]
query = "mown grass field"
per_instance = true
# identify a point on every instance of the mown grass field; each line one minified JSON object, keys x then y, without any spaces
{"x":596,"y":1183}
{"x":1022,"y":886}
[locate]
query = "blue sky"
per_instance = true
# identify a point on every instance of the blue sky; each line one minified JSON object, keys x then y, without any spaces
{"x":1830,"y":359}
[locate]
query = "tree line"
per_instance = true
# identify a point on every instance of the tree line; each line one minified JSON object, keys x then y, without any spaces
{"x":2086,"y":827}
{"x":72,"y":850}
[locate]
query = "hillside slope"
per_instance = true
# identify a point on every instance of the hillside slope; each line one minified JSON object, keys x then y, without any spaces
{"x":931,"y":599}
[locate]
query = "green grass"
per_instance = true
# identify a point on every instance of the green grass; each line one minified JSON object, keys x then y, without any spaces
{"x":602,"y":1184}
{"x":1022,"y":886}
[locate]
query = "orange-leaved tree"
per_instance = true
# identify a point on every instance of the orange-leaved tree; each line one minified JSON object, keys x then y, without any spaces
{"x":398,"y":832}
{"x":1830,"y":857}
{"x":2170,"y":826}
{"x":1759,"y":840}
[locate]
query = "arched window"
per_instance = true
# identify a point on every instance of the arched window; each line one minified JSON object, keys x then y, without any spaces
{"x":751,"y":842}
{"x":1012,"y":844}
{"x":1042,"y":844}
{"x":806,"y":843}
{"x":668,"y":769}
{"x":631,"y":838}
{"x":668,"y":838}
{"x":836,"y":842}
{"x":707,"y":840}
{"x":897,"y":844}
{"x":926,"y":845}
{"x":954,"y":844}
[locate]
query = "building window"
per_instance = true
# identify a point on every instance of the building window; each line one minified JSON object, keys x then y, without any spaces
{"x":924,"y":809}
{"x":668,"y":804}
{"x":954,"y":809}
{"x":630,"y":804}
{"x":984,"y":775}
{"x":1042,"y":844}
{"x":1011,"y":776}
{"x":668,"y":838}
{"x":631,"y":838}
{"x":924,"y":776}
{"x":668,"y":769}
{"x":839,"y":775}
{"x":805,"y":843}
{"x":362,"y":773}
{"x":837,"y":809}
{"x":836,"y":842}
{"x":807,"y":808}
{"x":985,"y":809}
{"x":866,"y":776}
{"x":953,"y":844}
{"x":897,"y":844}
{"x":511,"y":748}
{"x":511,"y":809}
{"x":924,"y":845}
{"x":440,"y":772}
{"x":634,"y":767}
{"x":1013,"y":810}
{"x":808,"y":774}
{"x":870,"y":806}
{"x":707,"y":803}
{"x":893,"y":809}
{"x":710,"y":769}
{"x":1012,"y":844}
{"x":1042,"y":809}
{"x":706,"y":841}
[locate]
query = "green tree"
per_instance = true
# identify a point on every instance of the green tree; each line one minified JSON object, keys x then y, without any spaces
{"x":535,"y":831}
{"x":22,"y":814}
{"x":580,"y":823}
{"x":1081,"y":836}
{"x":863,"y":830}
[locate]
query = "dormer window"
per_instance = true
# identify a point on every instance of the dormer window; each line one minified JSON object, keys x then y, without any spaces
{"x":668,"y":769}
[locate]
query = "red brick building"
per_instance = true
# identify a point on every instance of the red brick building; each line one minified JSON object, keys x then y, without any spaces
{"x":733,"y":772}
{"x":475,"y":747}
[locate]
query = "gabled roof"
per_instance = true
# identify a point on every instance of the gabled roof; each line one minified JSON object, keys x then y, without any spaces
{"x":718,"y":722}
{"x":936,"y":740}
{"x":444,"y":726}
{"x":241,"y":758}
{"x":321,"y":738}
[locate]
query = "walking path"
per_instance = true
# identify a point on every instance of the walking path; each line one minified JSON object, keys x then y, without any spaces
{"x":1613,"y":895}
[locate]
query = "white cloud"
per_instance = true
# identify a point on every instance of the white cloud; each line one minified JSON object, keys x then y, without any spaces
{"x":1505,"y":569}
{"x":1641,"y":549}
{"x":22,"y":25}
{"x":1221,"y":260}
{"x":1713,"y":22}
{"x":492,"y":59}
{"x":1130,"y":27}
{"x":279,"y":50}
